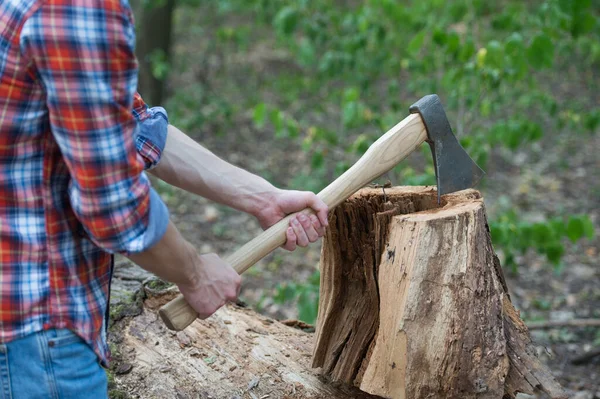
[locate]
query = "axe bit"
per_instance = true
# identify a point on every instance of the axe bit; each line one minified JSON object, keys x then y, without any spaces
{"x":454,"y":171}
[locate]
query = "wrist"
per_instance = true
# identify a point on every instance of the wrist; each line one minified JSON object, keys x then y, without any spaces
{"x":191,"y":269}
{"x":263,"y":201}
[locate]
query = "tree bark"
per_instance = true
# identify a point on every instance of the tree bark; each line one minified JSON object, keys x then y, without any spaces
{"x":236,"y":353}
{"x":413,"y":302}
{"x":154,"y":35}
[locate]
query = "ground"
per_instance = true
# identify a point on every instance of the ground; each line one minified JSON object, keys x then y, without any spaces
{"x":531,"y":177}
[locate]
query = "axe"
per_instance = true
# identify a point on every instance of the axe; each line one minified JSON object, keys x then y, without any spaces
{"x":454,"y":171}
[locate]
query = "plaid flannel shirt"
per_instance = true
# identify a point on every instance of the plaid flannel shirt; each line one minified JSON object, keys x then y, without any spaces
{"x":75,"y":138}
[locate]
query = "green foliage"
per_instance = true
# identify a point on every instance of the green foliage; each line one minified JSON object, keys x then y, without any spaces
{"x":515,"y":237}
{"x":306,"y":295}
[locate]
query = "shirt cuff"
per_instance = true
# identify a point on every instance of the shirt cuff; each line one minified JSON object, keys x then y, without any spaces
{"x":158,"y":220}
{"x":151,"y":136}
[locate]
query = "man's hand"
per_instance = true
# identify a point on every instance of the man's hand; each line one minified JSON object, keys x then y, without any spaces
{"x":216,"y":283}
{"x":206,"y":281}
{"x":303,"y":228}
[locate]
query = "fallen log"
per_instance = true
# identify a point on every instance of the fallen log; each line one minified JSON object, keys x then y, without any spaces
{"x":413,"y":302}
{"x":236,"y":353}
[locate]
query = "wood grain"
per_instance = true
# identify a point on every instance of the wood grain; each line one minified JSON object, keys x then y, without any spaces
{"x":237,"y":353}
{"x":413,"y":303}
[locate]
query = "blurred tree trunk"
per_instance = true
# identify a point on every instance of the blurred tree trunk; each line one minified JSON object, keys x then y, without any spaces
{"x":155,"y":22}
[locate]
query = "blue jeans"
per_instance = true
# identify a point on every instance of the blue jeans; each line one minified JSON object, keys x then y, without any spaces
{"x":50,"y":364}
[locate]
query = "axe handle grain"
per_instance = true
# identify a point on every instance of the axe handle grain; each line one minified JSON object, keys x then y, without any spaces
{"x":382,"y":156}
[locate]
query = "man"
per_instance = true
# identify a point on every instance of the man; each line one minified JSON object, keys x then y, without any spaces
{"x":75,"y":139}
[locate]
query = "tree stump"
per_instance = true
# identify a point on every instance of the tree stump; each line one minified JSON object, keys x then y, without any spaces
{"x":413,"y":302}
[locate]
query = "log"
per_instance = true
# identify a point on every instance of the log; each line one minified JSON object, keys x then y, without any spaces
{"x":413,"y":301}
{"x":236,"y":353}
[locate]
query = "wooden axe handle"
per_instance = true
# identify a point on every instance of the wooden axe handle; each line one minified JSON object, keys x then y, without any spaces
{"x":382,"y":156}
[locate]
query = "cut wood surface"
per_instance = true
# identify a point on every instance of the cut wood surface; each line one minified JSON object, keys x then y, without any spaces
{"x":236,"y":353}
{"x":413,"y":302}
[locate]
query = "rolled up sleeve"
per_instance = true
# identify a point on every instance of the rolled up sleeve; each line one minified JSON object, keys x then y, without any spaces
{"x":151,"y":133}
{"x":84,"y":55}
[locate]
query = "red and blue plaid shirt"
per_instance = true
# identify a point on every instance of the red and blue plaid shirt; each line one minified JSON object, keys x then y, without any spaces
{"x":75,"y":139}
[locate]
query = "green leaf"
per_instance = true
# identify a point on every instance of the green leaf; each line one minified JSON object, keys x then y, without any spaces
{"x":351,"y":94}
{"x":515,"y":50}
{"x":307,"y":307}
{"x":292,"y":128}
{"x":558,"y":226}
{"x":541,"y":233}
{"x":278,"y":120}
{"x":554,"y":252}
{"x":541,"y":52}
{"x":467,"y":50}
{"x":416,"y":43}
{"x":575,"y":228}
{"x":286,"y":20}
{"x":439,"y":36}
{"x":317,"y":160}
{"x":591,"y":121}
{"x":260,"y":114}
{"x":495,"y":54}
{"x":350,"y":113}
{"x":453,"y":42}
{"x":284,"y":293}
{"x":588,"y":227}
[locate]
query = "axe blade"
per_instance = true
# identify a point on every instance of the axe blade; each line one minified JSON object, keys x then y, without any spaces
{"x":454,"y":168}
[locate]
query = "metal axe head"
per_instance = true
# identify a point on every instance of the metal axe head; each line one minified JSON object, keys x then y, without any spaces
{"x":454,"y":168}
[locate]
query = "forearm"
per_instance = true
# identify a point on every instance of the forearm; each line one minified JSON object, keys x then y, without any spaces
{"x":188,"y":165}
{"x":172,"y":258}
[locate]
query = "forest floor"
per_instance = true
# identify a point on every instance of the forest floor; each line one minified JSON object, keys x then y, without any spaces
{"x":530,"y":177}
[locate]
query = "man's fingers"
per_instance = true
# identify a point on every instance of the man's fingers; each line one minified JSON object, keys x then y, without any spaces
{"x":309,"y":229}
{"x":320,"y":208}
{"x":290,"y":244}
{"x":301,"y":238}
{"x":317,"y":225}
